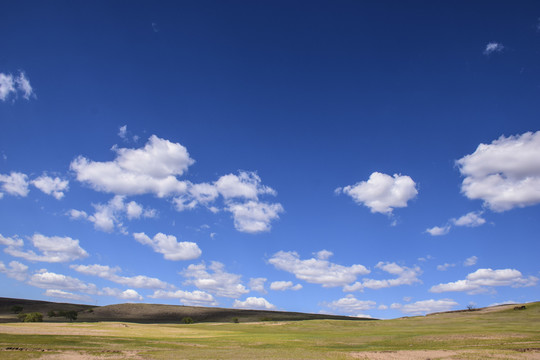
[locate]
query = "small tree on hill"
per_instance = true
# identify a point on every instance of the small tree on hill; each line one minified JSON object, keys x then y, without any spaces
{"x":187,"y":320}
{"x":70,"y":315}
{"x":31,"y":317}
{"x":51,"y":313}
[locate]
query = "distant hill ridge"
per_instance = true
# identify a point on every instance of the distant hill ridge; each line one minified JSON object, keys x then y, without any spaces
{"x":155,"y":313}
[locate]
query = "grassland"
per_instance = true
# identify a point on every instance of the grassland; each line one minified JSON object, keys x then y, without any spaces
{"x":498,"y":333}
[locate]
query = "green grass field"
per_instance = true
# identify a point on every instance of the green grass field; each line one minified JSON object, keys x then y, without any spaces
{"x":499,"y":333}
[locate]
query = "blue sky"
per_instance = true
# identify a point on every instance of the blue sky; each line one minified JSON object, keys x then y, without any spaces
{"x":362,"y":158}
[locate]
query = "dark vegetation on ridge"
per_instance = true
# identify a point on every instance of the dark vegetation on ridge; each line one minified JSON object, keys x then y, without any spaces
{"x":151,"y":313}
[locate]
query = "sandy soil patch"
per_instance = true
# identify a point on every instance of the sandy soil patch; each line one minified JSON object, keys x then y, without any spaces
{"x":526,"y":354}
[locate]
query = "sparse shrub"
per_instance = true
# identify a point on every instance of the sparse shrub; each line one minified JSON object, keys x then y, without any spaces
{"x":31,"y":317}
{"x":470,"y":307}
{"x":51,"y":313}
{"x":235,"y":320}
{"x":187,"y":320}
{"x":70,"y":315}
{"x":16,"y":309}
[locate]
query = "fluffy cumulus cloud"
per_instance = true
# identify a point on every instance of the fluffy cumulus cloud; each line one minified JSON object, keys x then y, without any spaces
{"x":482,"y":280}
{"x":493,"y":47}
{"x":106,"y":272}
{"x":152,"y":169}
{"x":426,"y":306}
{"x":404,"y":276}
{"x":255,"y":303}
{"x":156,"y":168}
{"x":317,"y":270}
{"x":471,"y":219}
{"x":129,"y":294}
{"x":438,"y":230}
{"x":52,"y":249}
{"x":188,"y":298}
{"x":381,"y":192}
{"x":51,"y":186}
{"x":108,"y":217}
{"x":15,"y":183}
{"x":351,"y":305}
{"x":14,"y":85}
{"x":240,"y":193}
{"x":14,"y":270}
{"x":284,"y":285}
{"x":504,"y":174}
{"x":169,"y":246}
{"x":215,"y":280}
{"x":254,"y":216}
{"x":49,"y":280}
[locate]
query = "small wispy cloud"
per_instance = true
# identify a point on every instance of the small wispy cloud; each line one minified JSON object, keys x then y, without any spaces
{"x":493,"y":47}
{"x":14,"y":85}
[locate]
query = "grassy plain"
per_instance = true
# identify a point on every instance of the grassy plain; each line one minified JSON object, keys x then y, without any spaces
{"x":498,"y":333}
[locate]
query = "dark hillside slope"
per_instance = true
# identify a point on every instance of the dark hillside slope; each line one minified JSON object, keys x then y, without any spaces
{"x":155,"y":313}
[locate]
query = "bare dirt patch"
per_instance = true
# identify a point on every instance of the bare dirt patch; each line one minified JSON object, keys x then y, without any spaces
{"x":533,"y":354}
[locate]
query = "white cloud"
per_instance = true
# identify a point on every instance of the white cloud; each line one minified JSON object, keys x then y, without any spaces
{"x":284,"y":285}
{"x":217,"y":282}
{"x":324,"y":254}
{"x":53,"y":249}
{"x":77,"y":214}
{"x":60,"y":294}
{"x":11,"y":242}
{"x":504,"y":174}
{"x":253,"y":303}
{"x":188,"y":298}
{"x":351,"y":305}
{"x":483,"y":279}
{"x":470,"y":261}
{"x":438,"y":231}
{"x":169,"y":247}
{"x":246,"y":185}
{"x":428,"y":306}
{"x":381,"y":192}
{"x":51,"y":186}
{"x":472,"y":219}
{"x":16,"y":270}
{"x":317,"y":271}
{"x":405,"y":276}
{"x":254,"y":216}
{"x":128,"y":294}
{"x":493,"y":47}
{"x":382,"y":307}
{"x":50,"y":280}
{"x":109,"y":216}
{"x":152,"y":169}
{"x":13,"y":85}
{"x":7,"y":86}
{"x":122,"y":131}
{"x":15,"y":183}
{"x":445,"y":266}
{"x":106,"y":272}
{"x":241,"y":195}
{"x":257,"y":284}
